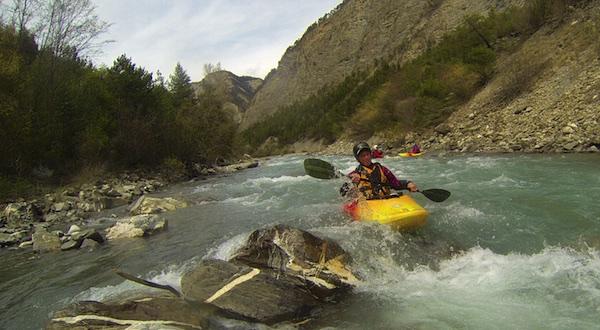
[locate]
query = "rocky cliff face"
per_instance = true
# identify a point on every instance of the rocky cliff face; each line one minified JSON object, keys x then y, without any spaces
{"x":235,"y":92}
{"x":557,"y":110}
{"x":353,"y":37}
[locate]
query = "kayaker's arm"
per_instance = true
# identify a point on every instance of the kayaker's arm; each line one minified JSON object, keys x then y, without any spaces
{"x":398,"y":184}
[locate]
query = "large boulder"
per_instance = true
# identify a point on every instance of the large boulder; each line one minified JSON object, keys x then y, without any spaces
{"x":259,"y":295}
{"x":151,"y":205}
{"x":288,"y":249}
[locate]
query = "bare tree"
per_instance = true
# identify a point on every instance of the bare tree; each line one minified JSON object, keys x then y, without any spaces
{"x":22,"y":13}
{"x":68,"y":27}
{"x":65,"y":27}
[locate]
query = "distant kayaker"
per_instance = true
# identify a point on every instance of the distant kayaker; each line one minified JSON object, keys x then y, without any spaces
{"x":377,"y":152}
{"x":374,"y":180}
{"x":415,"y":149}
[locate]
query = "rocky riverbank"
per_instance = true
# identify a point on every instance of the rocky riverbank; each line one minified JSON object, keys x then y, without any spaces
{"x":66,"y":216}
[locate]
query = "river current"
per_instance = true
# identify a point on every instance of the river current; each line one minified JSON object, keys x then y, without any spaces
{"x":524,"y":231}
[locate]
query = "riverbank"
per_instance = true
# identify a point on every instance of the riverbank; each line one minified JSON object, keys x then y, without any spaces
{"x":55,"y":213}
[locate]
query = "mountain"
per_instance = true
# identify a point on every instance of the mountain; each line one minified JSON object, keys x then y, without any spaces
{"x":354,"y":36}
{"x":235,"y":92}
{"x":539,"y":92}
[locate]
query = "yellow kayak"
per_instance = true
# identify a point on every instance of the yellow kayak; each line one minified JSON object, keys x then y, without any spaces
{"x":410,"y":154}
{"x":401,"y":213}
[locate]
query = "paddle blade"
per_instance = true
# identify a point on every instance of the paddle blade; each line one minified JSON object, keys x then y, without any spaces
{"x":319,"y":169}
{"x":436,"y":195}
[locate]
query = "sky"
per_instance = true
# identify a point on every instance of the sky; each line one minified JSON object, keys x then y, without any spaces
{"x":248,"y":37}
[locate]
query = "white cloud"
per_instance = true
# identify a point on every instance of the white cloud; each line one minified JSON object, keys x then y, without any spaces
{"x":248,"y":37}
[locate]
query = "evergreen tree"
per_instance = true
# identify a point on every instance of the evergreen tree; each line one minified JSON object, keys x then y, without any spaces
{"x":180,"y":86}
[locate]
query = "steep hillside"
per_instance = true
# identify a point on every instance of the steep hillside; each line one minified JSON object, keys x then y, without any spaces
{"x":355,"y":36}
{"x":235,"y":92}
{"x":554,"y":80}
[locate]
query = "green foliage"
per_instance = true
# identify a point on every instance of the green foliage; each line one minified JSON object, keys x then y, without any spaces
{"x":180,"y":85}
{"x":321,"y":116}
{"x":63,"y":114}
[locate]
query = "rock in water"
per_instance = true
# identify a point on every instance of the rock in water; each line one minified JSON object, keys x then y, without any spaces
{"x":284,"y":248}
{"x":260,"y":295}
{"x":151,"y":205}
{"x":137,"y":226}
{"x":148,"y":313}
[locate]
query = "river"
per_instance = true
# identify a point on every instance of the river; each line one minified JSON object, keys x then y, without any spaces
{"x":525,"y":230}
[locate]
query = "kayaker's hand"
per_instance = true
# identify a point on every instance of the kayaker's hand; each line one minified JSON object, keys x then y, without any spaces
{"x":412,"y":187}
{"x":355,"y":177}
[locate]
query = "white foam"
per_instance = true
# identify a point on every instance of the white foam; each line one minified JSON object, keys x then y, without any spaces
{"x":280,"y":179}
{"x":564,"y":276}
{"x":169,"y":276}
{"x":226,"y":249}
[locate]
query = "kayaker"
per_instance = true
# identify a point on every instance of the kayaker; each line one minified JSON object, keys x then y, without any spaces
{"x":374,"y":180}
{"x":377,"y":152}
{"x":415,"y":149}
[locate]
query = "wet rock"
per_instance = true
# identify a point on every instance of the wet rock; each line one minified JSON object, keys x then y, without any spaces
{"x":87,"y":234}
{"x":89,"y":244}
{"x":43,"y":241}
{"x":236,"y":167}
{"x":151,"y":205}
{"x":149,"y":313}
{"x":137,"y":226}
{"x":8,"y":239}
{"x":73,"y":229}
{"x":26,"y":244}
{"x":266,"y":291}
{"x":260,"y":295}
{"x":70,"y":245}
{"x":285,"y":248}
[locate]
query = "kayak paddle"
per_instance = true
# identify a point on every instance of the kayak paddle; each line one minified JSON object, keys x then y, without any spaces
{"x":436,"y":195}
{"x":321,"y":169}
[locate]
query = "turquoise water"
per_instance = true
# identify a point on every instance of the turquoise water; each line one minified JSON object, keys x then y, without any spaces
{"x":515,"y":246}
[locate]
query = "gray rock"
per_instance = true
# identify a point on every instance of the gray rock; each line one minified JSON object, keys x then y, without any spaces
{"x":26,"y":244}
{"x":289,"y":249}
{"x":442,"y":129}
{"x":87,"y":234}
{"x":137,"y":226}
{"x":73,"y":229}
{"x":43,"y":241}
{"x":89,"y":244}
{"x":8,"y":239}
{"x":70,"y":245}
{"x":151,"y":205}
{"x":150,"y":313}
{"x":571,"y":145}
{"x":61,"y":206}
{"x":261,"y":295}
